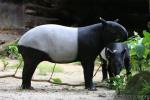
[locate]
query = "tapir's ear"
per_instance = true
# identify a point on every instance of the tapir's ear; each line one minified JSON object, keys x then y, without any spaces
{"x":124,"y":51}
{"x":104,"y":22}
{"x":116,"y":20}
{"x":109,"y":52}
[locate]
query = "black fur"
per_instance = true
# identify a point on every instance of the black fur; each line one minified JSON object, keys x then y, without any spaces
{"x":117,"y":60}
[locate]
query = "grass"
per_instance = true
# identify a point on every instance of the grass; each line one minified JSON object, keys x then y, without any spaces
{"x":77,"y":63}
{"x":46,"y":67}
{"x":97,"y":62}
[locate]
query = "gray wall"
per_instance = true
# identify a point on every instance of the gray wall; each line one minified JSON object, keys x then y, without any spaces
{"x":11,"y":16}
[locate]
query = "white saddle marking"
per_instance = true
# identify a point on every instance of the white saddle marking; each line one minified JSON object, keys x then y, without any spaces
{"x":103,"y":55}
{"x":115,"y":51}
{"x":59,"y":42}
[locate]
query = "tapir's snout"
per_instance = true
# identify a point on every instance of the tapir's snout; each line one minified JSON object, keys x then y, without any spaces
{"x":116,"y":68}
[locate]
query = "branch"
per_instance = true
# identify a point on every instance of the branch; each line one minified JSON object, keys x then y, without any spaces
{"x":38,"y":80}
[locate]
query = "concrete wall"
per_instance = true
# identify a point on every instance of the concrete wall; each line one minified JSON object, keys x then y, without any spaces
{"x":11,"y":16}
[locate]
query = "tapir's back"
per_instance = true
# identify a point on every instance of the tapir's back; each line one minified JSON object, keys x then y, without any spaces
{"x":59,"y":42}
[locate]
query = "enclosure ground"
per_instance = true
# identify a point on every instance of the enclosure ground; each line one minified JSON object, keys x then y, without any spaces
{"x":72,"y":74}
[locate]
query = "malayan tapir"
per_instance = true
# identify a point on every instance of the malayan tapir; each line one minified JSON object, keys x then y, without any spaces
{"x":114,"y":57}
{"x":61,"y":44}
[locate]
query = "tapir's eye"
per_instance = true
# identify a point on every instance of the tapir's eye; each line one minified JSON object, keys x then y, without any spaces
{"x":108,"y":56}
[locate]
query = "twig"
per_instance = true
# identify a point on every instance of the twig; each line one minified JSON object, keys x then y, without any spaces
{"x":96,"y":71}
{"x":18,"y":67}
{"x":52,"y":72}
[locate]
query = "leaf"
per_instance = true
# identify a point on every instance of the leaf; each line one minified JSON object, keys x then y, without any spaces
{"x":140,"y":50}
{"x":56,"y":80}
{"x":146,"y":39}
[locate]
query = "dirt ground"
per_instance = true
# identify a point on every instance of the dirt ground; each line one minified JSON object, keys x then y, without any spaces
{"x":72,"y":74}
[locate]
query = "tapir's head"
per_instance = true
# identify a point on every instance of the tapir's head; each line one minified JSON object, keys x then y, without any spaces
{"x":113,"y":32}
{"x":115,"y":60}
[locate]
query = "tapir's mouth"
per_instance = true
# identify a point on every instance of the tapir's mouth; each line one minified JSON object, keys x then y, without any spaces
{"x":115,"y":75}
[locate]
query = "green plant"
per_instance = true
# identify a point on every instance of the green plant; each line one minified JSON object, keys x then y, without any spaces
{"x":144,"y":93}
{"x":118,"y":83}
{"x":56,"y":80}
{"x":46,"y":67}
{"x":139,"y":51}
{"x":139,"y":86}
{"x":12,"y":50}
{"x":5,"y":63}
{"x":77,"y":63}
{"x":13,"y":53}
{"x":145,"y":89}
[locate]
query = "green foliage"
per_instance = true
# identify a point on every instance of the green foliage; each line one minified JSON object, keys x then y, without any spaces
{"x":144,"y":93}
{"x":140,"y":61}
{"x":145,"y":89}
{"x":12,"y":50}
{"x":5,"y":63}
{"x":77,"y":63}
{"x":46,"y":67}
{"x":139,"y":51}
{"x":57,"y":80}
{"x":146,"y":40}
{"x":118,"y":83}
{"x":139,"y":85}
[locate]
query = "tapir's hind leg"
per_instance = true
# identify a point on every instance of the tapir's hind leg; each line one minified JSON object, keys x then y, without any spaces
{"x":31,"y":59}
{"x":29,"y":67}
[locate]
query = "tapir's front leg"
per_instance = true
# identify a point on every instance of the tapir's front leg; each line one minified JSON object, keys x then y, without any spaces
{"x":110,"y":72}
{"x":104,"y":70}
{"x":88,"y":68}
{"x":127,"y":65}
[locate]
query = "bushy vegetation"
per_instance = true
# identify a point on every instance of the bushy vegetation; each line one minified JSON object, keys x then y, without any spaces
{"x":117,"y":83}
{"x":139,"y":83}
{"x":11,"y":51}
{"x":140,"y":51}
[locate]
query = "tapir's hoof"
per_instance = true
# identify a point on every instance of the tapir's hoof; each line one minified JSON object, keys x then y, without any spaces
{"x":92,"y":88}
{"x":27,"y":87}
